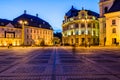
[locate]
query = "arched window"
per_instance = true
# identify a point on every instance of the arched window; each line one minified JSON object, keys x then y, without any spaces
{"x":105,"y":9}
{"x":82,"y":25}
{"x":71,"y":32}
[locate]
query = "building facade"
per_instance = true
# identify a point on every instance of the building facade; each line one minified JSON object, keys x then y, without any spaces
{"x":9,"y":34}
{"x":26,"y":30}
{"x":80,"y":27}
{"x":109,"y":22}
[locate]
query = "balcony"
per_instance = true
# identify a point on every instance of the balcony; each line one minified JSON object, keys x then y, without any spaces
{"x":76,"y":18}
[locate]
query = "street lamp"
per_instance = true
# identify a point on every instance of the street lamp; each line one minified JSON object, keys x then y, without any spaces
{"x":86,"y":29}
{"x":23,"y":23}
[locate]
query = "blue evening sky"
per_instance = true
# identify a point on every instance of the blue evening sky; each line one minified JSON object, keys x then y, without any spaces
{"x":52,"y":11}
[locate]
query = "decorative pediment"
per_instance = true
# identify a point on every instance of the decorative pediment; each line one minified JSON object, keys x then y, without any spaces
{"x":10,"y":25}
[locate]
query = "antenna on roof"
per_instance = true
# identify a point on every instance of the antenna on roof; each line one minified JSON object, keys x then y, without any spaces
{"x":25,"y":11}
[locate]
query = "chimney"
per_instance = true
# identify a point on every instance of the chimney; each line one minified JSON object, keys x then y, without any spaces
{"x":25,"y":11}
{"x":36,"y":15}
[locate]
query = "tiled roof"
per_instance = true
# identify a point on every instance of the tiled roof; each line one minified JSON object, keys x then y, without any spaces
{"x":33,"y":21}
{"x":115,"y":7}
{"x":74,"y":12}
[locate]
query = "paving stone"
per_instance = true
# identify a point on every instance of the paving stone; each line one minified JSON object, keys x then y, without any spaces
{"x":105,"y":61}
{"x":31,"y":69}
{"x":87,"y":79}
{"x":38,"y":62}
{"x":70,"y":61}
{"x":6,"y":62}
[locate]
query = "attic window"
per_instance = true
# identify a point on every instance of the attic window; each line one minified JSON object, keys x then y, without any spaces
{"x":2,"y":23}
{"x":50,"y":27}
{"x":39,"y":25}
{"x":43,"y":22}
{"x":31,"y":19}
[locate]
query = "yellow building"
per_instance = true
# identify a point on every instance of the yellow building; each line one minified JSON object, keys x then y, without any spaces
{"x":80,"y":27}
{"x":109,"y":22}
{"x":25,"y":30}
{"x":9,"y":34}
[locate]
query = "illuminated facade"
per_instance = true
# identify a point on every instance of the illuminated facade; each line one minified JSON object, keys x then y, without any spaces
{"x":25,"y":30}
{"x":80,"y":27}
{"x":9,"y":34}
{"x":109,"y":22}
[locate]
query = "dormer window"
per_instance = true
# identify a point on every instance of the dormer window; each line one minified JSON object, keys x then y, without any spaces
{"x":31,"y":19}
{"x":2,"y":23}
{"x":40,"y":26}
{"x":43,"y":22}
{"x":82,"y":14}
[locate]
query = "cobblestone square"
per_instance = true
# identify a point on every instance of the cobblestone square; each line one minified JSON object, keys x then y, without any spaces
{"x":60,"y":63}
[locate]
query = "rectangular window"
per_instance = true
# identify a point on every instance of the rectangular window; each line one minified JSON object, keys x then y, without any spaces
{"x":77,"y":40}
{"x":93,"y":25}
{"x":83,"y":39}
{"x":89,"y":25}
{"x":82,"y":32}
{"x":114,"y":30}
{"x":82,"y":25}
{"x":114,"y":41}
{"x":94,"y":33}
{"x":113,"y":22}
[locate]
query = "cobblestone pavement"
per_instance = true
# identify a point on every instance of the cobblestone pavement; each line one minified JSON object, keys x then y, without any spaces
{"x":60,"y":63}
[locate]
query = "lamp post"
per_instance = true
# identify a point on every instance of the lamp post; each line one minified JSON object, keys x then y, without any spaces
{"x":86,"y":30}
{"x":23,"y":23}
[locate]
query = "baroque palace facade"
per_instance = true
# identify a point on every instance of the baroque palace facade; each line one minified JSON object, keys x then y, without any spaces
{"x":109,"y":22}
{"x":25,"y":30}
{"x":80,"y":27}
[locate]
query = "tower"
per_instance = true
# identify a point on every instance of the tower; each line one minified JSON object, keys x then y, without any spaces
{"x":104,"y":6}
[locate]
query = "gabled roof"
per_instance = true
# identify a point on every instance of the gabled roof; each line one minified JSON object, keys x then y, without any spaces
{"x":74,"y":12}
{"x":115,"y":7}
{"x":4,"y":22}
{"x":33,"y":21}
